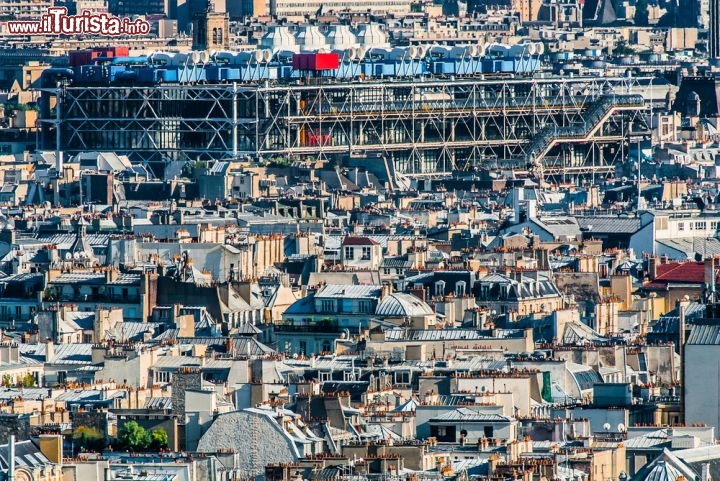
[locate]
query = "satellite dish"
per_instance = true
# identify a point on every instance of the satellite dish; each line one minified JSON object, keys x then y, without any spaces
{"x":68,"y":256}
{"x":621,"y":427}
{"x":606,"y":426}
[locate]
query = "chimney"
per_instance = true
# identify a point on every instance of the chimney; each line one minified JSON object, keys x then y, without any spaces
{"x":682,"y":307}
{"x":652,"y":267}
{"x":710,"y":275}
{"x":418,"y":292}
{"x":5,"y":353}
{"x":493,"y":462}
{"x":110,"y":275}
{"x":98,"y":353}
{"x":49,"y":351}
{"x":387,"y":289}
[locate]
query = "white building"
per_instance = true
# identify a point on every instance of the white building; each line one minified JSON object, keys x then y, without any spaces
{"x":659,"y":225}
{"x":361,"y":253}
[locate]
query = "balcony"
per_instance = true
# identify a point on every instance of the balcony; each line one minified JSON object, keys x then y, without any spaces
{"x":97,"y":298}
{"x":320,"y":326}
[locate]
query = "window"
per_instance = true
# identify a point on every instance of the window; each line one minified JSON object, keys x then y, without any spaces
{"x":62,"y":377}
{"x":387,"y":271}
{"x":484,"y":291}
{"x":440,"y":288}
{"x":365,"y":307}
{"x":681,"y":226}
{"x":488,"y":430}
{"x":162,"y":376}
{"x":324,"y":376}
{"x":326,"y":345}
{"x":402,"y":377}
{"x":303,"y":346}
{"x":713,"y":225}
{"x":217,"y":36}
{"x":349,"y":253}
{"x":328,"y":305}
{"x":18,"y":312}
{"x":366,"y":253}
{"x":700,"y":225}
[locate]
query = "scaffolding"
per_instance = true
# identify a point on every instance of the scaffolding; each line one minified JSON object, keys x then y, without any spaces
{"x":425,"y":127}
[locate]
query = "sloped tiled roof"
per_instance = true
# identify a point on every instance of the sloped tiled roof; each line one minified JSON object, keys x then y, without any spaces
{"x":358,"y":241}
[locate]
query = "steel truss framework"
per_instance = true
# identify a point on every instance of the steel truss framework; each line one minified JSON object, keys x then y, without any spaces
{"x":425,"y":127}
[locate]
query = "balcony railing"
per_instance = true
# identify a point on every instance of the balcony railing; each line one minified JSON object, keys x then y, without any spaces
{"x":316,"y":327}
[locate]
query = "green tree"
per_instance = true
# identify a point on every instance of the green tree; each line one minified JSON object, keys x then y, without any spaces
{"x":133,"y":436}
{"x":158,"y":439}
{"x":28,"y":380}
{"x":622,"y":48}
{"x":7,"y":380}
{"x":86,"y":438}
{"x":279,"y":162}
{"x":641,"y":13}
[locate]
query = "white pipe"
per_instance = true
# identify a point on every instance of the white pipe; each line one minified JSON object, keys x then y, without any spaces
{"x":11,"y":458}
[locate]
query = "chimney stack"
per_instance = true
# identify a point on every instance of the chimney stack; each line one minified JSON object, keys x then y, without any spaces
{"x":49,"y":351}
{"x":652,"y":267}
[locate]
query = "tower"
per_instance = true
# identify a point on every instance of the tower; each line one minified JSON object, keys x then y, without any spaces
{"x":210,"y":29}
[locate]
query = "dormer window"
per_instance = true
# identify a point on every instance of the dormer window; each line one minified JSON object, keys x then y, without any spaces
{"x":440,"y":288}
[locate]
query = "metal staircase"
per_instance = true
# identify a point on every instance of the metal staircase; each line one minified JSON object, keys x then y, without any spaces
{"x":597,"y":113}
